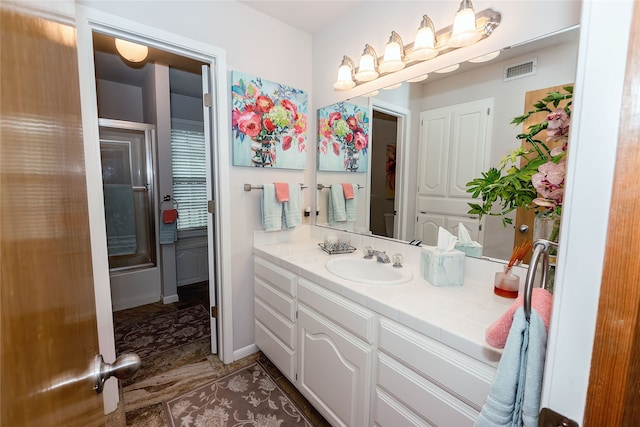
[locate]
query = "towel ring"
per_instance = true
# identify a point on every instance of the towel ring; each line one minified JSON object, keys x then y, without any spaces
{"x":168,"y":198}
{"x":540,"y":247}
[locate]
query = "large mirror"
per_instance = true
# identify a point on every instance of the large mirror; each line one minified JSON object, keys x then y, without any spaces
{"x":399,"y":170}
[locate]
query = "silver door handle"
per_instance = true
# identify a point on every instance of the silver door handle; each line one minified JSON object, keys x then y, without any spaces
{"x":123,"y":367}
{"x":524,"y":229}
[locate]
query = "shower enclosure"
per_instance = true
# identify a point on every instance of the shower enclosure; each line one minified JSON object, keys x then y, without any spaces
{"x":126,"y":151}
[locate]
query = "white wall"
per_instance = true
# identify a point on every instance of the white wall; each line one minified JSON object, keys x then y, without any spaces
{"x":258,"y":45}
{"x":119,"y":101}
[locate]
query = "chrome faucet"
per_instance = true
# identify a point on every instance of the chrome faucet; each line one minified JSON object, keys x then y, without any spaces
{"x":381,"y":256}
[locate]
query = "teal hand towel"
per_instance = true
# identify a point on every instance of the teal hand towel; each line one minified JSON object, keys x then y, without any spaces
{"x":120,"y":219}
{"x":272,"y":210}
{"x":292,"y":208}
{"x":514,"y":397}
{"x":351,"y":205}
{"x":336,"y":207}
{"x":168,"y":232}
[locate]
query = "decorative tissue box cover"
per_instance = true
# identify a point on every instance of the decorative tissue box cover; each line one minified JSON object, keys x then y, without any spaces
{"x":442,"y":268}
{"x":473,"y":249}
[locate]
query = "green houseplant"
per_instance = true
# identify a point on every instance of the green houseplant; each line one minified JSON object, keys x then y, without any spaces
{"x":538,"y":181}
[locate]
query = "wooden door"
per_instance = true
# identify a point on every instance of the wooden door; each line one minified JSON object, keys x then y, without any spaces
{"x":48,"y":320}
{"x":524,"y":217}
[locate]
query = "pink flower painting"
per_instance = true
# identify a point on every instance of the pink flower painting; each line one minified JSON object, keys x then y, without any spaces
{"x":343,"y":138}
{"x":268,"y":119}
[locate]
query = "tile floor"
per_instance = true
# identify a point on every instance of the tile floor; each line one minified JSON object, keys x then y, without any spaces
{"x":182,"y":369}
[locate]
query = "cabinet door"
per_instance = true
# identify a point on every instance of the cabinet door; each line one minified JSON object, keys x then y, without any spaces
{"x":334,"y":370}
{"x":427,"y":227}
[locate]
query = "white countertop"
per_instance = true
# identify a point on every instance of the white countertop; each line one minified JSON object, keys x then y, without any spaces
{"x":457,"y":316}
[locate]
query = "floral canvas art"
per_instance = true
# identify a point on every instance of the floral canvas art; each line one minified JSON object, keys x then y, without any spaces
{"x":343,"y":138}
{"x":269,"y":123}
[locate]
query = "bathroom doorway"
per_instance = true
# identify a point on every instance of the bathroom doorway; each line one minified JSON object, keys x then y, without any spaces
{"x":172,"y":281}
{"x":384,"y":131}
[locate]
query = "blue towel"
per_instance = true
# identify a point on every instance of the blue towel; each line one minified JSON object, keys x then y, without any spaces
{"x":272,"y":210}
{"x":120,"y":219}
{"x":292,"y":208}
{"x":514,"y":397}
{"x":336,"y":207}
{"x":168,"y":233}
{"x":351,"y":205}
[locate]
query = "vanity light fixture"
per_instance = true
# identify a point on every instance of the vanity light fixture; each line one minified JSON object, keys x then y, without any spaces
{"x":468,"y":28}
{"x":131,"y":51}
{"x":464,"y":26}
{"x":424,"y":46}
{"x":393,"y":59}
{"x":368,"y":66}
{"x":345,"y":74}
{"x":418,"y":79}
{"x":392,"y":87}
{"x":448,"y":69}
{"x":485,"y":58}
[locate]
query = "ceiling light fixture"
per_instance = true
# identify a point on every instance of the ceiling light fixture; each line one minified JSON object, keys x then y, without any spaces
{"x":448,"y":69}
{"x":393,"y":59}
{"x":345,"y":74}
{"x":368,"y":66}
{"x":464,"y":26}
{"x":131,"y":51}
{"x":485,"y":58}
{"x":424,"y":46}
{"x":418,"y":79}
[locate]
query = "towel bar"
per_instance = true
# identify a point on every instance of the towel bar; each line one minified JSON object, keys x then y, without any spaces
{"x":540,"y":247}
{"x":249,"y":187}
{"x":322,"y":187}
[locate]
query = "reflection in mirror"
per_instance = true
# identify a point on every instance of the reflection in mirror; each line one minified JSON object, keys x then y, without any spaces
{"x":552,"y":61}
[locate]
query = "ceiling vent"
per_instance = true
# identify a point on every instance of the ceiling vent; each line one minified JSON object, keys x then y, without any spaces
{"x":521,"y":69}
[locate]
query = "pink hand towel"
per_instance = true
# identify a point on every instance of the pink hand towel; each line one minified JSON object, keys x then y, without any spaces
{"x":541,"y":302}
{"x":282,"y":191}
{"x":347,"y":189}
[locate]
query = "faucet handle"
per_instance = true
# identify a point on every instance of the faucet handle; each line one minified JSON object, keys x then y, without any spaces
{"x":397,"y":260}
{"x":368,"y":252}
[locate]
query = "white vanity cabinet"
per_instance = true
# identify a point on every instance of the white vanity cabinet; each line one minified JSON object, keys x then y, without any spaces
{"x":335,"y":356}
{"x":358,"y":367}
{"x":275,"y":315}
{"x":423,"y":382}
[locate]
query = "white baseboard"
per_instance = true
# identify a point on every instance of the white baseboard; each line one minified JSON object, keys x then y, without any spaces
{"x":170,"y":299}
{"x":244,"y":352}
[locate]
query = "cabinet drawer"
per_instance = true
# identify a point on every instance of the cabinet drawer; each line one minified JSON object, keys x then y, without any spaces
{"x":461,"y":375}
{"x":427,"y":400}
{"x":281,"y":303}
{"x":281,"y":356}
{"x":346,"y":314}
{"x":278,"y":326}
{"x":390,"y":413}
{"x":275,"y":276}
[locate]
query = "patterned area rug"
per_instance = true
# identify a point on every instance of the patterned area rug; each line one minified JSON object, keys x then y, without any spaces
{"x":162,"y":333}
{"x":247,"y":397}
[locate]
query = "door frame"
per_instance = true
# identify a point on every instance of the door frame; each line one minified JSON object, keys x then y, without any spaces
{"x":403,"y":148}
{"x":87,"y":21}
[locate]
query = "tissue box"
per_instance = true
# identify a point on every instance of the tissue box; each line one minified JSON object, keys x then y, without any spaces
{"x":473,"y":249}
{"x":442,"y":268}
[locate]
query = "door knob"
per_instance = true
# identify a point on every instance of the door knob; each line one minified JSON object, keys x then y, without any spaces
{"x":524,"y":229}
{"x":123,"y":367}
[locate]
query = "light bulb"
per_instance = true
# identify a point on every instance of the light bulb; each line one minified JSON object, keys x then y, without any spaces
{"x":345,"y":75}
{"x":424,"y":44}
{"x":393,"y":55}
{"x":368,"y":66}
{"x":464,"y":27}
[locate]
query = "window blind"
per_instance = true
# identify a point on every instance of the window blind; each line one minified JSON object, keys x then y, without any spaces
{"x":188,"y":165}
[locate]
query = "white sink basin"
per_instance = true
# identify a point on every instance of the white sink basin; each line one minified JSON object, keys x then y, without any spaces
{"x":368,"y":271}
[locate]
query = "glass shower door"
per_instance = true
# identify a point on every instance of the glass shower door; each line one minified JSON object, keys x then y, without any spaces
{"x":127,"y":178}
